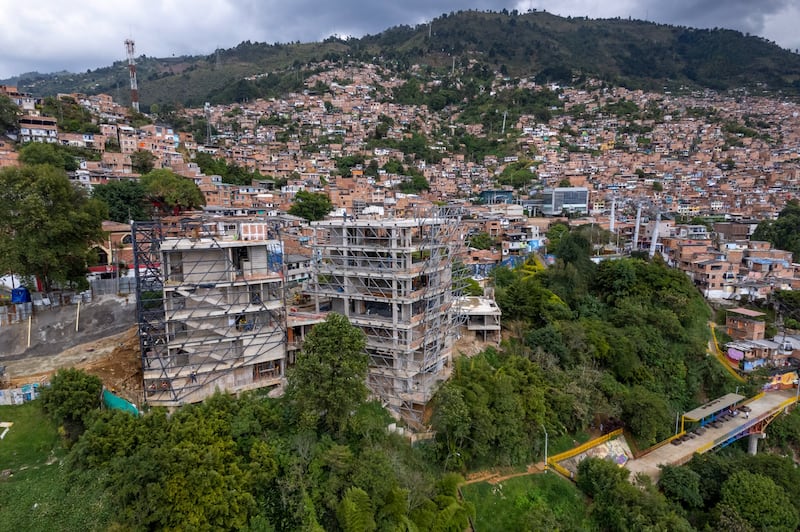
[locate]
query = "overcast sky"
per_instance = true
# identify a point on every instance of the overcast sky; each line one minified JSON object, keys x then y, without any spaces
{"x":53,"y":35}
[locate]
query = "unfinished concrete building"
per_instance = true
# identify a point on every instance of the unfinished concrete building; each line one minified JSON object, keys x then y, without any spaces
{"x":211,"y":309}
{"x":394,"y":279}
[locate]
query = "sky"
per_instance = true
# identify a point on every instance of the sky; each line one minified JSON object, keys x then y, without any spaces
{"x":53,"y":35}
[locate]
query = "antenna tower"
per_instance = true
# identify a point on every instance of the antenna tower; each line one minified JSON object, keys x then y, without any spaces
{"x":129,"y":47}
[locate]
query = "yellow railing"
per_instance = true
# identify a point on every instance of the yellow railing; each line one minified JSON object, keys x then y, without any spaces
{"x":583,"y":447}
{"x":721,"y":357}
{"x":660,"y":444}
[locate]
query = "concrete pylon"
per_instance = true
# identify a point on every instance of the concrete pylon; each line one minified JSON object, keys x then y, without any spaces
{"x":752,"y":443}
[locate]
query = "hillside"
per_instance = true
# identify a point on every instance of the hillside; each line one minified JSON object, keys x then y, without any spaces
{"x":628,"y":52}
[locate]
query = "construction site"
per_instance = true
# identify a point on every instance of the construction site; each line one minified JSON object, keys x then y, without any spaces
{"x":210,"y":308}
{"x":220,"y":307}
{"x":395,"y":280}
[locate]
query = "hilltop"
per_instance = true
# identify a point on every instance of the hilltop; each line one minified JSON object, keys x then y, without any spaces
{"x":632,"y":53}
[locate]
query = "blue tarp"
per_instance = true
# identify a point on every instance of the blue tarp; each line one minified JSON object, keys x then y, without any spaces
{"x":20,"y":295}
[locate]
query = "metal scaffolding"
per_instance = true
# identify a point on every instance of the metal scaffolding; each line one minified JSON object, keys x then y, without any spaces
{"x":211,"y":309}
{"x":395,"y":279}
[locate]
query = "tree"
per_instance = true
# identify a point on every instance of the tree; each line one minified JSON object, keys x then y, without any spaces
{"x":758,"y":501}
{"x":45,"y":153}
{"x":597,"y":476}
{"x":415,"y":185}
{"x":71,"y":397}
{"x":46,"y":225}
{"x":142,"y":161}
{"x":647,"y":414}
{"x":125,"y":200}
{"x":328,"y":382}
{"x":481,"y":240}
{"x":310,"y":205}
{"x":9,"y":114}
{"x":355,"y":511}
{"x":783,"y":233}
{"x":451,"y":419}
{"x":554,"y":235}
{"x":682,"y":485}
{"x":171,"y":193}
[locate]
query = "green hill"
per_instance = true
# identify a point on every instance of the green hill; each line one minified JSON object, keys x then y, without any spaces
{"x":633,"y":53}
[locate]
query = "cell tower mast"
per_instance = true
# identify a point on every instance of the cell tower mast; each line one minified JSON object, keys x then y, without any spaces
{"x":129,"y":47}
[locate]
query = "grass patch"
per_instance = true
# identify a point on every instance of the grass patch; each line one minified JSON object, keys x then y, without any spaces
{"x":31,"y":440}
{"x":567,"y":441}
{"x":40,"y":495}
{"x":533,"y":502}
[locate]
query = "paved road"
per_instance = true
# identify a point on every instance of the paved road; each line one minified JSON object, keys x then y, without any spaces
{"x":679,"y":454}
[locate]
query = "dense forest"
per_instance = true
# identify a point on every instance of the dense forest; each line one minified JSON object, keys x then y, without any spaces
{"x":633,"y":53}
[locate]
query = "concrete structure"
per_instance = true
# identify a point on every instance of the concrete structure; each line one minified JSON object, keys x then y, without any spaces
{"x":745,"y":324}
{"x":38,"y":129}
{"x":393,"y":278}
{"x":211,"y":309}
{"x":570,"y":199}
{"x":762,"y":410}
{"x":482,"y":317}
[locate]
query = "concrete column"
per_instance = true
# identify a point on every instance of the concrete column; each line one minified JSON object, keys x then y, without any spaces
{"x":752,"y":444}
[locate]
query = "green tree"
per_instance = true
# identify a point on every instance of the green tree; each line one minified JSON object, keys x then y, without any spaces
{"x":415,"y":185}
{"x":597,"y":476}
{"x":311,"y":205}
{"x":554,"y":235}
{"x":355,"y":511}
{"x":46,"y":225}
{"x":682,"y":485}
{"x":142,"y":161}
{"x":328,"y":382}
{"x":45,"y":153}
{"x":758,"y":501}
{"x":647,"y":414}
{"x":783,"y":233}
{"x":9,"y":114}
{"x":481,"y":240}
{"x":125,"y":200}
{"x":70,"y":399}
{"x":171,"y":193}
{"x":451,"y":419}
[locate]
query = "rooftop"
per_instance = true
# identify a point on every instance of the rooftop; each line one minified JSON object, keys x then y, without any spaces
{"x":747,"y":312}
{"x":713,"y":406}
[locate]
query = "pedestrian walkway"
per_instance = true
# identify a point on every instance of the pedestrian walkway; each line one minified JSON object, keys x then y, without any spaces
{"x":763,"y":408}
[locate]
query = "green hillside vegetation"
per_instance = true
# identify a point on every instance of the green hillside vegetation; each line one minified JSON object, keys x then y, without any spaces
{"x":590,"y":344}
{"x":535,"y":44}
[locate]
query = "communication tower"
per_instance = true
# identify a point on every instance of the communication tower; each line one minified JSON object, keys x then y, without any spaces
{"x":129,"y":47}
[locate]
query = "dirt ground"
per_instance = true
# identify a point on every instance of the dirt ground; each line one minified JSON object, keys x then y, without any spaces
{"x":115,"y":359}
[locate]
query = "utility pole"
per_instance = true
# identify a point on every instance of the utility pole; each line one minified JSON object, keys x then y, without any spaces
{"x":505,"y":114}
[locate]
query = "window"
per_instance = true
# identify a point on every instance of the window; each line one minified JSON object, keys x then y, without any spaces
{"x":267,"y":370}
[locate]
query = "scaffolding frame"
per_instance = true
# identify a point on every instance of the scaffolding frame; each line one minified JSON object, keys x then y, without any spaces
{"x":208,"y":316}
{"x":395,"y":279}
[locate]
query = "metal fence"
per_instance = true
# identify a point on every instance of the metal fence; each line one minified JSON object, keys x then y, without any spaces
{"x":105,"y":287}
{"x":15,"y":313}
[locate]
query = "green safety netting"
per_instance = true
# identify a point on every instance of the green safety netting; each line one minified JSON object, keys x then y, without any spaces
{"x":118,"y":403}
